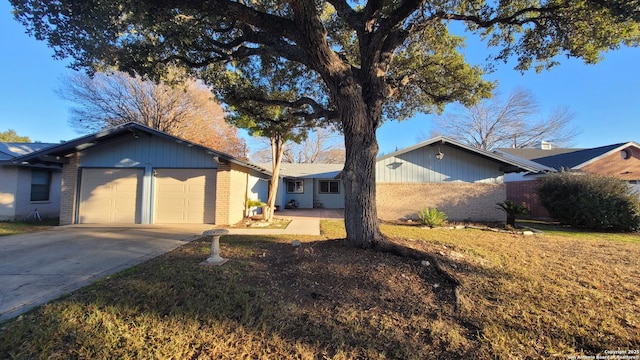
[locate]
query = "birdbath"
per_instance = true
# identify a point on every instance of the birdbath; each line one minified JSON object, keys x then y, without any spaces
{"x":215,"y":259}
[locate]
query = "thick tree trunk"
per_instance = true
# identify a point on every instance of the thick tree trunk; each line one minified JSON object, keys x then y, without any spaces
{"x":361,"y":216}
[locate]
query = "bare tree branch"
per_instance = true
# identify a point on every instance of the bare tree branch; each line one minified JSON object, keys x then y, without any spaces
{"x":186,"y":110}
{"x":512,"y":122}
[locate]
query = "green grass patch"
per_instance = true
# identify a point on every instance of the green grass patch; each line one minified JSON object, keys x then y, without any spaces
{"x":19,"y":227}
{"x":555,"y":229}
{"x":545,"y":296}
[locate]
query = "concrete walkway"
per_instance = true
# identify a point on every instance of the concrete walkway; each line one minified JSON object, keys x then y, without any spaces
{"x":303,"y":222}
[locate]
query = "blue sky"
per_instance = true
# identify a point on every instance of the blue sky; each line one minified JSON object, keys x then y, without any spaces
{"x":604,"y":97}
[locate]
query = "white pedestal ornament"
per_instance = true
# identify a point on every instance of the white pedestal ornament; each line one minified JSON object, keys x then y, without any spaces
{"x":215,"y":259}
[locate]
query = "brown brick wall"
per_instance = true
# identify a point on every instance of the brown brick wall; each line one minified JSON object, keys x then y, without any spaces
{"x":68,"y":189}
{"x":460,"y":201}
{"x":614,"y":165}
{"x":524,"y":192}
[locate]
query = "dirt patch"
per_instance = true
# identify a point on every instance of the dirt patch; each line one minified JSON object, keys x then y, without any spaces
{"x":324,"y":275}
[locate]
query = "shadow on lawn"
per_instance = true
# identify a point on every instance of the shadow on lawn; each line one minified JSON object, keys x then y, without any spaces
{"x":324,"y":296}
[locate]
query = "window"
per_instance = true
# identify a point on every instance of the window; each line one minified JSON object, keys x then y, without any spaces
{"x":295,"y":186}
{"x":40,"y":185}
{"x":329,"y":187}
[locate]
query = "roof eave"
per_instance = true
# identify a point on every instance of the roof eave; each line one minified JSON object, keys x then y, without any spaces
{"x":58,"y":153}
{"x":601,"y":156}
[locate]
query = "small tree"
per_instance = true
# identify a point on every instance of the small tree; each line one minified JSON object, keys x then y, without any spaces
{"x":590,"y":201}
{"x":512,"y":210}
{"x":280,"y":123}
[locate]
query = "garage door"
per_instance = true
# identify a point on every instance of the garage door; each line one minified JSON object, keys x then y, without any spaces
{"x":110,"y":196}
{"x":184,"y":196}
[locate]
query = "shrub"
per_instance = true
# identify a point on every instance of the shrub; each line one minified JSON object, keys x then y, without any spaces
{"x":590,"y":201}
{"x":250,"y":203}
{"x":432,"y":217}
{"x":512,"y":209}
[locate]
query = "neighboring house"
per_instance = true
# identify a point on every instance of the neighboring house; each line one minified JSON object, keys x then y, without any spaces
{"x":25,"y":188}
{"x":620,"y":160}
{"x":463,"y":181}
{"x":309,"y":186}
{"x":133,"y":174}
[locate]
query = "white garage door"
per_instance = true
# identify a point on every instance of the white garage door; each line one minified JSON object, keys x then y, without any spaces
{"x":110,"y":196}
{"x":184,"y":196}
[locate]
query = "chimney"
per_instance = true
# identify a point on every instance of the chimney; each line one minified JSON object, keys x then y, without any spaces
{"x":545,"y":145}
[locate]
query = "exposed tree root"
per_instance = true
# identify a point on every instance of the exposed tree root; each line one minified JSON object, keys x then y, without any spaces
{"x":407,"y":252}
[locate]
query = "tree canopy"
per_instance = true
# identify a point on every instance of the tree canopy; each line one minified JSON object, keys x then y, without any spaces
{"x":254,"y":92}
{"x":11,"y":136}
{"x":374,"y":60}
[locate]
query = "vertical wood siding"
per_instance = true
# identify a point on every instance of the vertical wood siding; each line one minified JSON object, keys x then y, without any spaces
{"x":146,"y":151}
{"x":421,"y":166}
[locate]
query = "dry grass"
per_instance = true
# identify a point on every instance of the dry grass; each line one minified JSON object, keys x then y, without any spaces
{"x":544,"y":296}
{"x":522,"y":297}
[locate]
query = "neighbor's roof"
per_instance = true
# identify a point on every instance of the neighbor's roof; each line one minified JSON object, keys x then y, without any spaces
{"x":309,"y":171}
{"x":57,"y":153}
{"x":509,"y":163}
{"x":10,"y":150}
{"x":567,"y":158}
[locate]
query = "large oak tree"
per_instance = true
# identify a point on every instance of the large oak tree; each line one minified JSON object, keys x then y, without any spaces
{"x":376,"y":59}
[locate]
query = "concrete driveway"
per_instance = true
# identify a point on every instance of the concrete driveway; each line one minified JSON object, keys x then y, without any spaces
{"x":38,"y":267}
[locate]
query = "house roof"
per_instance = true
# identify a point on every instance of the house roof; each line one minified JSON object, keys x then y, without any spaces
{"x":56,"y":154}
{"x":309,"y":171}
{"x":11,"y":150}
{"x":567,"y":158}
{"x":509,"y":163}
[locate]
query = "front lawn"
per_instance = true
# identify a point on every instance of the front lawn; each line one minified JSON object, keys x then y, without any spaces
{"x":521,"y":297}
{"x":19,"y":227}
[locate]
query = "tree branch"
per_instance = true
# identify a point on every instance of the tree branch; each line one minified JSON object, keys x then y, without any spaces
{"x":278,"y":26}
{"x":513,"y":19}
{"x":346,"y":12}
{"x":398,"y":16}
{"x":319,"y":111}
